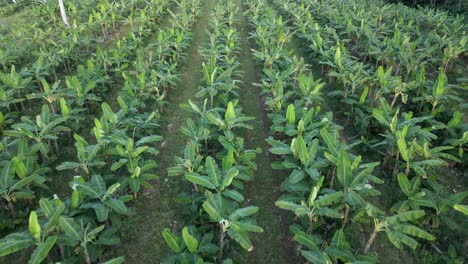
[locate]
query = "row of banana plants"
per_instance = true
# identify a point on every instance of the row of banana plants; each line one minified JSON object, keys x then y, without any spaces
{"x":53,"y":52}
{"x":356,"y":72}
{"x":215,"y":161}
{"x":111,"y":165}
{"x":389,"y":35}
{"x":365,"y":87}
{"x":91,"y":23}
{"x":330,"y":189}
{"x":429,"y":135}
{"x":31,"y":139}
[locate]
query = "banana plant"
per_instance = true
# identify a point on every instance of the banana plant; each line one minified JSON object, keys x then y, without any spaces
{"x":309,"y":89}
{"x":191,"y":162}
{"x":301,"y":156}
{"x":43,"y":132}
{"x":191,"y":246}
{"x":236,"y":155}
{"x":314,"y":207}
{"x":275,"y":84}
{"x":6,"y":120}
{"x":210,"y":72}
{"x":88,"y":157}
{"x":132,"y":157}
{"x":72,"y":117}
{"x":355,"y":179}
{"x":14,"y":87}
{"x":85,"y":239}
{"x":143,"y":87}
{"x":288,"y":123}
{"x":438,"y":91}
{"x":16,"y":179}
{"x":233,"y":118}
{"x":81,"y":93}
{"x":398,"y":228}
{"x":216,"y":180}
{"x":396,"y":134}
{"x":42,"y":235}
{"x":217,"y":80}
{"x":319,"y":251}
{"x":195,"y":133}
{"x":439,"y":206}
{"x":412,"y":190}
{"x":101,"y":199}
{"x":233,"y":221}
{"x":50,"y":95}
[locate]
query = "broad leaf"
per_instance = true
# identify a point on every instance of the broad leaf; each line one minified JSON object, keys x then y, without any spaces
{"x":314,"y":256}
{"x":414,"y":231}
{"x":13,"y":245}
{"x":405,"y":184}
{"x":42,"y":251}
{"x":68,"y":225}
{"x":116,"y":205}
{"x":200,"y":180}
{"x":344,"y":171}
{"x":190,"y":241}
{"x":172,"y":240}
{"x":406,"y":216}
{"x":241,"y":238}
{"x":213,"y":171}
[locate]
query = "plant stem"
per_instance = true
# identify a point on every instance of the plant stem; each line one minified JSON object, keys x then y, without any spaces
{"x":370,"y":241}
{"x":395,"y":168}
{"x":345,"y":218}
{"x":12,"y":209}
{"x":86,"y":256}
{"x":407,"y":171}
{"x":222,"y":234}
{"x":332,"y":178}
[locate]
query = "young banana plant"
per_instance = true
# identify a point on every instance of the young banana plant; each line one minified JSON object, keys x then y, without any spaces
{"x":88,"y":157}
{"x":322,"y":252}
{"x":398,"y":228}
{"x":309,"y":89}
{"x":233,"y":221}
{"x":412,"y":190}
{"x":355,"y":180}
{"x":43,"y":132}
{"x":314,"y":207}
{"x":97,"y":196}
{"x":132,"y":157}
{"x":16,"y":180}
{"x":50,"y":94}
{"x":191,"y":246}
{"x":210,"y":74}
{"x":42,"y":235}
{"x":82,"y":94}
{"x":14,"y":87}
{"x":233,"y":118}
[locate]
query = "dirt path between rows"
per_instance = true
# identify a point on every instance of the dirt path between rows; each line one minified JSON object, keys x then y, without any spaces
{"x":158,"y":209}
{"x":273,"y":245}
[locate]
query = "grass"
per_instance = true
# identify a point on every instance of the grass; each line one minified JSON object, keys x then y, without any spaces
{"x":263,"y":191}
{"x":159,"y":210}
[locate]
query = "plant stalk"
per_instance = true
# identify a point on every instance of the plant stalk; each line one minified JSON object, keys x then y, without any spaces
{"x":370,"y":241}
{"x":222,"y":235}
